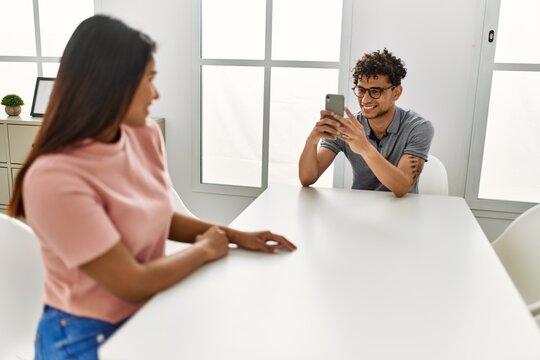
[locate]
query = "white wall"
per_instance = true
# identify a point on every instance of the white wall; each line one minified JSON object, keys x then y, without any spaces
{"x":169,"y":22}
{"x":439,"y":42}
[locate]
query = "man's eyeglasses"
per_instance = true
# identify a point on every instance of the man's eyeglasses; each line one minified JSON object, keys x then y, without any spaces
{"x":374,"y":92}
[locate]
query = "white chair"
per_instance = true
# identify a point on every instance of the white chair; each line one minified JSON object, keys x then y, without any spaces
{"x":181,"y":208}
{"x":21,"y":288}
{"x":434,"y":178}
{"x":518,"y":247}
{"x":178,"y":204}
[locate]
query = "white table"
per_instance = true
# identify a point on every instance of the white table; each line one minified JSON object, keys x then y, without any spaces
{"x":374,"y":277}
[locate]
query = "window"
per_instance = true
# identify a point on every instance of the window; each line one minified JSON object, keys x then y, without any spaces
{"x":40,"y":30}
{"x":504,"y":171}
{"x":263,"y":71}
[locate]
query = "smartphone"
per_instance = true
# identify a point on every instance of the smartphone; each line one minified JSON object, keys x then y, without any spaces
{"x":335,"y":103}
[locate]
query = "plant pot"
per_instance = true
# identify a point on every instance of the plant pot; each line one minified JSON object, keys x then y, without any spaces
{"x":13,"y":110}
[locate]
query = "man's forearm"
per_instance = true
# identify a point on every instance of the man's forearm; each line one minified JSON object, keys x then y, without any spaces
{"x":308,"y":168}
{"x":393,"y":178}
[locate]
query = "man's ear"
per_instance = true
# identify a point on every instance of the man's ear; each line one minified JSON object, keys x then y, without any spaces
{"x":397,"y":92}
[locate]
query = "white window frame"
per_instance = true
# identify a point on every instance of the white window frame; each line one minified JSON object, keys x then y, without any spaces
{"x":485,"y":207}
{"x":268,"y":64}
{"x":38,"y":59}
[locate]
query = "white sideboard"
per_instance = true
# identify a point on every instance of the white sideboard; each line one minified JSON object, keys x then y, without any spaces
{"x":17,"y":135}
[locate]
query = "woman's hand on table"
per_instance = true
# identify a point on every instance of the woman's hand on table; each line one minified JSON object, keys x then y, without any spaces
{"x":264,"y":241}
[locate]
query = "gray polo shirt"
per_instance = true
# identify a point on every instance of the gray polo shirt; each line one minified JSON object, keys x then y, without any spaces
{"x":408,"y":133}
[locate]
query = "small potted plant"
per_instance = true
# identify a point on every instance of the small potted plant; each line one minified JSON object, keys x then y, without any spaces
{"x":13,"y":104}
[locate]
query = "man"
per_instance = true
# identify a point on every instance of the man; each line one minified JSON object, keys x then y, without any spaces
{"x":386,"y":145}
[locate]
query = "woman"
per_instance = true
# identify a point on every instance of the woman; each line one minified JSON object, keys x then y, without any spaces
{"x":95,"y":190}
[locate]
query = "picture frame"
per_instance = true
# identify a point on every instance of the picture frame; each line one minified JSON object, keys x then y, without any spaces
{"x":42,"y":93}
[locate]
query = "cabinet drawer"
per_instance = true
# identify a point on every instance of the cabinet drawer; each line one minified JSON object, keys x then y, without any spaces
{"x":3,"y":144}
{"x":4,"y":186}
{"x":21,"y":138}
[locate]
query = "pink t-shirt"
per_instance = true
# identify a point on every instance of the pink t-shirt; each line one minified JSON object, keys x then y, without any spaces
{"x":82,"y":201}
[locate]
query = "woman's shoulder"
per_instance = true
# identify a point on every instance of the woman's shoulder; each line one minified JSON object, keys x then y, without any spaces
{"x":50,"y":169}
{"x":49,"y":162}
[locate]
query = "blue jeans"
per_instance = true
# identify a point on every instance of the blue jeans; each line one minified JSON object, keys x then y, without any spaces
{"x":62,"y":336}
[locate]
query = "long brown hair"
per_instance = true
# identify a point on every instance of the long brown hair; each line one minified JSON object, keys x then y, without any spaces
{"x":99,"y":72}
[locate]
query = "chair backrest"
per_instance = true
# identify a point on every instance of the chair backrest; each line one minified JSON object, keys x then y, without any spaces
{"x":172,"y":247}
{"x":178,"y":204}
{"x":518,"y":247}
{"x":434,"y":178}
{"x":21,"y":288}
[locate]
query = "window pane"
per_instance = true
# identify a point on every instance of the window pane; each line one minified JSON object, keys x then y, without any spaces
{"x":297,"y":97}
{"x":232,"y":118}
{"x":20,"y":79}
{"x":50,"y":69}
{"x":510,"y":167}
{"x":519,"y":30}
{"x":18,"y":22}
{"x":233,"y":29}
{"x":306,"y":30}
{"x":58,"y":20}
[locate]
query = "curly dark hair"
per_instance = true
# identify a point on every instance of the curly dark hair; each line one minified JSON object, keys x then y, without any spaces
{"x":380,"y":63}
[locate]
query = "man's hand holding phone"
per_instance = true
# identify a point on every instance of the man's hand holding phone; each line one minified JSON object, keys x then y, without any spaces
{"x":353,"y":133}
{"x":332,"y":124}
{"x":326,"y":128}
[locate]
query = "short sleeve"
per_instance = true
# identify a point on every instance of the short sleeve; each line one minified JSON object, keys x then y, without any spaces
{"x":66,"y":214}
{"x":420,"y":139}
{"x":335,"y":145}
